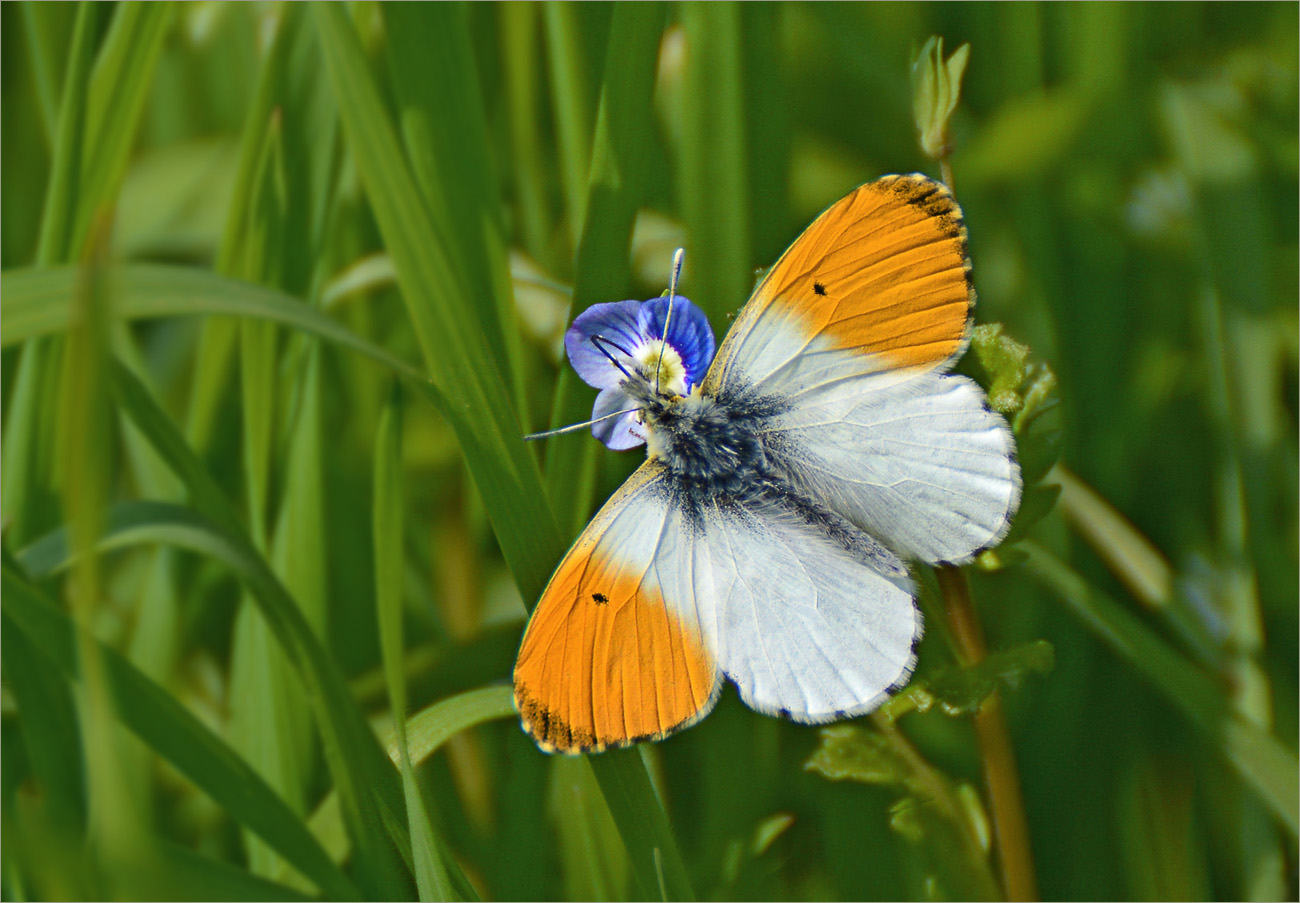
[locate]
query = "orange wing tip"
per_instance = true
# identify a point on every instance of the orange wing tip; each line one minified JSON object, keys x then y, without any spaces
{"x":553,"y":735}
{"x":929,"y":196}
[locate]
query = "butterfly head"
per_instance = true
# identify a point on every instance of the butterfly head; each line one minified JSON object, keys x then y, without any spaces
{"x":643,"y":356}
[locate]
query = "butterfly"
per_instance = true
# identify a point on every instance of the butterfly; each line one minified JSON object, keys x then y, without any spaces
{"x":788,"y":480}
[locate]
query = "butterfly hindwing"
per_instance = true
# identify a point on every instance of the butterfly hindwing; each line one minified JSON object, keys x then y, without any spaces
{"x":815,"y":620}
{"x":616,"y":650}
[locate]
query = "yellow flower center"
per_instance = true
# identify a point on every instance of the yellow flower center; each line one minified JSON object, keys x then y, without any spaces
{"x":672,"y":372}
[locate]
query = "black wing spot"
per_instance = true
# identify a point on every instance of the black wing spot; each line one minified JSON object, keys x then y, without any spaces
{"x":819,"y":288}
{"x":599,"y":598}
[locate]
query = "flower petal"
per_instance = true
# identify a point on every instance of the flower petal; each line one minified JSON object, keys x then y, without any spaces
{"x":618,"y":433}
{"x":616,"y":322}
{"x":689,"y":334}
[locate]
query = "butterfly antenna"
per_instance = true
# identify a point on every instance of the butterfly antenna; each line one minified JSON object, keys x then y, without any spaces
{"x":678,"y":256}
{"x":574,"y":427}
{"x":600,"y":342}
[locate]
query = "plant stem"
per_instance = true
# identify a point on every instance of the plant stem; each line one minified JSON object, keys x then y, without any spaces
{"x":1006,"y":807}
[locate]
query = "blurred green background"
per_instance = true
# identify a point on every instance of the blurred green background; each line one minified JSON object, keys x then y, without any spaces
{"x":283,"y":286}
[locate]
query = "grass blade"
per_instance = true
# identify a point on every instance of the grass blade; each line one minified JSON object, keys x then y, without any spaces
{"x":431,"y":878}
{"x":176,"y":735}
{"x":1259,"y":759}
{"x":427,"y":732}
{"x":28,"y":436}
{"x":432,"y":727}
{"x":269,"y":720}
{"x":615,"y":189}
{"x":572,"y":98}
{"x":446,"y":135}
{"x":117,"y":821}
{"x":714,"y":160}
{"x":50,"y":731}
{"x":353,"y":756}
{"x":55,"y":244}
{"x":118,"y":87}
{"x":39,"y":302}
{"x":183,"y":874}
{"x":45,"y":46}
{"x":455,"y":351}
{"x":367,"y":784}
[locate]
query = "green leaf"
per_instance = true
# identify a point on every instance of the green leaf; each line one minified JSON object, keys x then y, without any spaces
{"x":175,"y":734}
{"x":1025,"y":391}
{"x":849,"y":753}
{"x":961,"y":691}
{"x":945,"y":825}
{"x":1003,"y":366}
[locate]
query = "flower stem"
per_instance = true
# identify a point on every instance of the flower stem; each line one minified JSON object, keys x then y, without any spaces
{"x":945,"y":170}
{"x":1006,"y":807}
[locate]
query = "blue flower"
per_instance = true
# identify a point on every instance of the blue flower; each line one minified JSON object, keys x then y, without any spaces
{"x":611,"y":344}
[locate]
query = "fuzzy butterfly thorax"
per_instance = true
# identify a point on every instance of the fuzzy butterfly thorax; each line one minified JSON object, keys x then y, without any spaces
{"x":715,"y":446}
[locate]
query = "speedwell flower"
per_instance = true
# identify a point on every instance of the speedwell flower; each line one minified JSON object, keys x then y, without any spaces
{"x":612,"y":344}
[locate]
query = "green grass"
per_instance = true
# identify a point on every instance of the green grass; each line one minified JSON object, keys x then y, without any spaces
{"x":269,"y":522}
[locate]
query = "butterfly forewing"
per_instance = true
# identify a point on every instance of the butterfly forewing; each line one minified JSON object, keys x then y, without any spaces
{"x":882,"y":273}
{"x":617,"y":650}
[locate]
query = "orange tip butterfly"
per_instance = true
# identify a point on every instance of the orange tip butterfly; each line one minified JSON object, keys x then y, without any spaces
{"x":788,"y":479}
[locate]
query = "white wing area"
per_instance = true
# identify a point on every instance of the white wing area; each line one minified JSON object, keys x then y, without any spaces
{"x":805,"y":628}
{"x":647,"y":535}
{"x":914,"y":456}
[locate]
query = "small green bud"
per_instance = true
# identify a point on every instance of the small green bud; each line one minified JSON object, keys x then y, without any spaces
{"x":936,"y":89}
